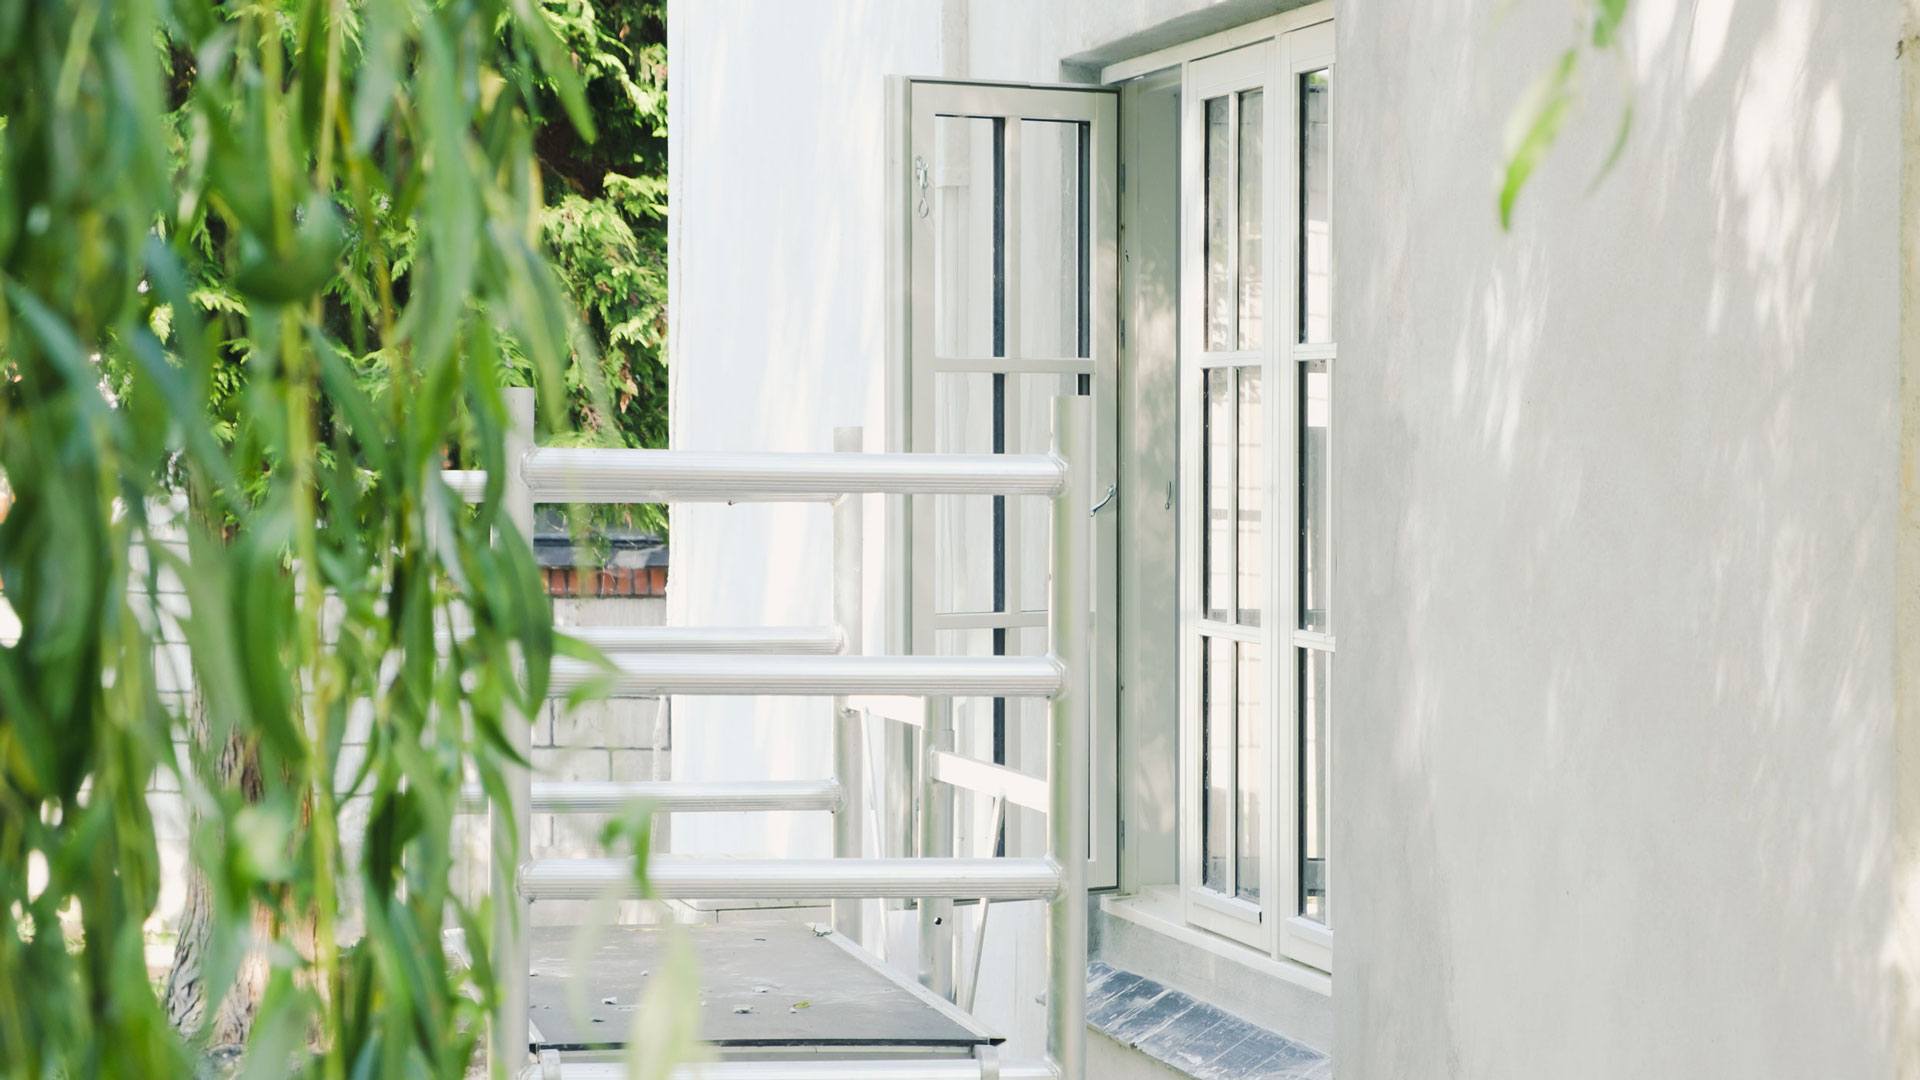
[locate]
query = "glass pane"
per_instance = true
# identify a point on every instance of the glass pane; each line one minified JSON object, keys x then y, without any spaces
{"x":1252,"y":216}
{"x":1250,"y":722}
{"x":972,"y":717}
{"x":1251,"y":557}
{"x":973,"y":734}
{"x":1313,"y":783}
{"x":965,"y":530}
{"x":968,"y":237}
{"x":1217,"y":468}
{"x":1216,"y":756}
{"x":1316,"y":208}
{"x":1026,"y":744}
{"x":1315,"y":414}
{"x":1031,"y":432}
{"x":1052,"y":246}
{"x":1217,"y":234}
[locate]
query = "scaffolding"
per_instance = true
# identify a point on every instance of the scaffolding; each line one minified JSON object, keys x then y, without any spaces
{"x":828,"y":662}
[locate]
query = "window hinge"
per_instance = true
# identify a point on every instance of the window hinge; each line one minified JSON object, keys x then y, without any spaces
{"x":1123,"y":177}
{"x":1123,"y":333}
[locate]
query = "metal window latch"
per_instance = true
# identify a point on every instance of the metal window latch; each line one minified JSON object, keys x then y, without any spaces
{"x":920,"y":181}
{"x":1112,"y":490}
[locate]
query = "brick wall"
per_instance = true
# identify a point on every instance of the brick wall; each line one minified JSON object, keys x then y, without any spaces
{"x":625,"y":582}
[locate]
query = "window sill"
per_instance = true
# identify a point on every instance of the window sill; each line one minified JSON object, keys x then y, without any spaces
{"x":1147,"y":934}
{"x":1190,"y":1037}
{"x":1157,"y":909}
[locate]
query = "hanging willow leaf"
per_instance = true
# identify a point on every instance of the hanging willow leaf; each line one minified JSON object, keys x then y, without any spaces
{"x":264,"y":269}
{"x":1544,"y":115}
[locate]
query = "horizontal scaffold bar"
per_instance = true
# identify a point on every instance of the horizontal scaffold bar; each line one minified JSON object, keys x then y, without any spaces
{"x":670,"y":796}
{"x":469,"y":484}
{"x":693,"y":878}
{"x":805,"y":1069}
{"x":795,"y":640}
{"x":618,"y":475}
{"x":596,"y":475}
{"x":807,"y":676}
{"x":1012,"y":785}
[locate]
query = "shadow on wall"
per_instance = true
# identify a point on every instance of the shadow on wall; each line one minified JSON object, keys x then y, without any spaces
{"x":1614,"y":703}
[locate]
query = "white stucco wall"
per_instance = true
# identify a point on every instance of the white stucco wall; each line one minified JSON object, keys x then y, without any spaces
{"x":778,"y":337}
{"x":1612,"y":787}
{"x":1614,"y":699}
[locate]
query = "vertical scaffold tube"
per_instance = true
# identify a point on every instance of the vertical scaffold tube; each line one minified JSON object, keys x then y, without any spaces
{"x":512,"y":824}
{"x":1067,"y":625}
{"x":849,"y":733}
{"x":936,"y":842}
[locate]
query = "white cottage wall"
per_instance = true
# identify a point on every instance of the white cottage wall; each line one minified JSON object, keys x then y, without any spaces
{"x":1613,"y":705}
{"x":1612,"y":780}
{"x":778,"y":336}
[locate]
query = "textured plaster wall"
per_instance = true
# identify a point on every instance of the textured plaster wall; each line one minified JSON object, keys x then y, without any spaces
{"x":1613,"y":775}
{"x":778,"y":337}
{"x":1613,"y":779}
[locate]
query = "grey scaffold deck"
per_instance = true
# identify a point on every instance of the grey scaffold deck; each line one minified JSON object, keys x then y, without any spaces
{"x":763,"y":988}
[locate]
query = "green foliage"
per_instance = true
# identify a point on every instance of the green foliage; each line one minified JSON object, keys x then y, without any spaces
{"x":1538,"y":120}
{"x":605,"y":225}
{"x":270,"y":264}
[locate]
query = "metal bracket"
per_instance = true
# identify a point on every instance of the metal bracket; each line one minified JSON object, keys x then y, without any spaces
{"x":1113,"y":491}
{"x":988,"y":1058}
{"x":922,"y":206}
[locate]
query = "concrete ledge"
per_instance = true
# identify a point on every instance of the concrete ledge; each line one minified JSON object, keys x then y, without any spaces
{"x":1189,"y":1036}
{"x":1146,"y":934}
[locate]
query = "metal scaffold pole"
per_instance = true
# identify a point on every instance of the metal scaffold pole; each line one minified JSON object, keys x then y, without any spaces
{"x":1068,"y":633}
{"x":849,"y":732}
{"x":512,"y":823}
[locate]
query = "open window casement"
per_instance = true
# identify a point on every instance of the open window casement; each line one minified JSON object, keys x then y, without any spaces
{"x":1003,"y":278}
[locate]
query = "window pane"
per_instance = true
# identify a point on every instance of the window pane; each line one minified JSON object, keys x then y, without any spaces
{"x":1315,"y":414}
{"x":1031,"y":432}
{"x":968,"y":237}
{"x":1313,"y":783}
{"x":1252,"y":216}
{"x":1217,"y":466}
{"x":1217,"y":235}
{"x":1216,"y":756}
{"x":1250,"y":722}
{"x":1316,"y":206}
{"x":1052,"y":255}
{"x":1252,"y":555}
{"x":967,"y":531}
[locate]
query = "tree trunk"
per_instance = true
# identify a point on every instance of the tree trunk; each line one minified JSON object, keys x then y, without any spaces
{"x":185,"y":995}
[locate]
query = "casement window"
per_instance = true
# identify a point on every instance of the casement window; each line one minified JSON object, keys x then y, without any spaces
{"x":1255,"y":378}
{"x":1016,"y":276}
{"x":1004,"y":271}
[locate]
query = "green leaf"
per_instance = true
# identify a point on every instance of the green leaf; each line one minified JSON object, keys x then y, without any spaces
{"x":1618,"y":148}
{"x":381,"y":38}
{"x":1543,"y":116}
{"x":555,"y":63}
{"x":296,"y":275}
{"x":1607,"y":18}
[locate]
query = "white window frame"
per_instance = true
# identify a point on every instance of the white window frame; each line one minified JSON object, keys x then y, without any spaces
{"x":1270,"y":56}
{"x":914,"y":366}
